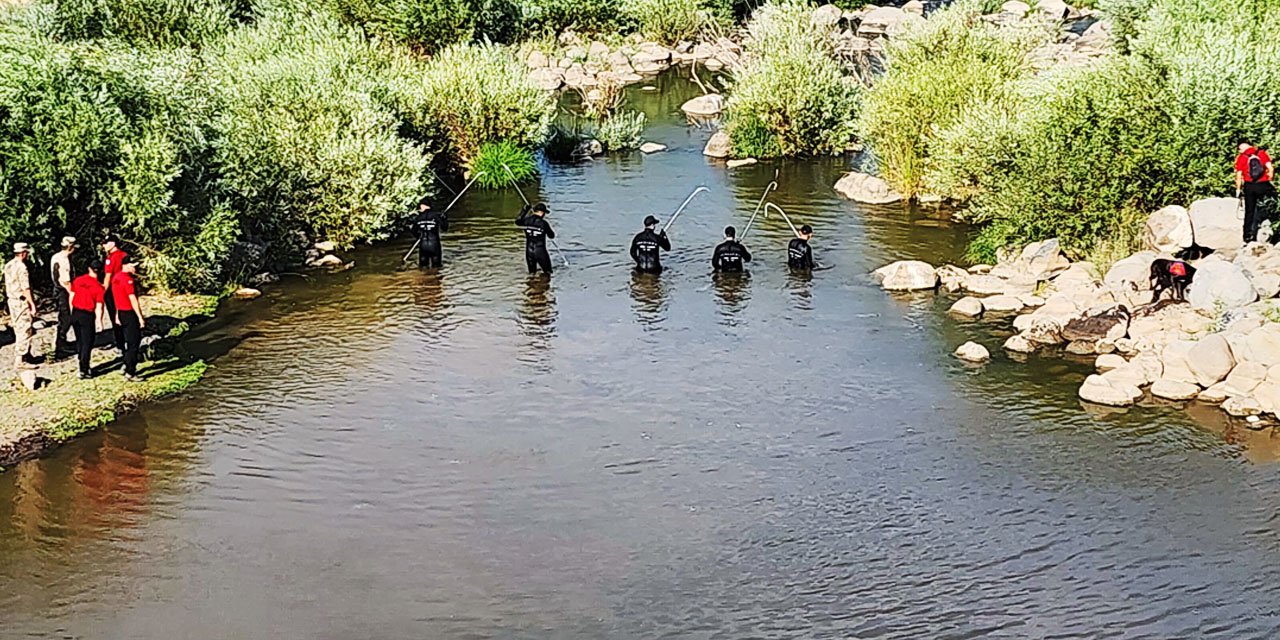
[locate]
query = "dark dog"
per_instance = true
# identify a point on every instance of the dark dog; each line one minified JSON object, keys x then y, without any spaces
{"x":1175,"y":275}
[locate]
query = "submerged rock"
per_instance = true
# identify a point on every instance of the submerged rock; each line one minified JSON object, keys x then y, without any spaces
{"x":1019,"y":344}
{"x":867,"y":189}
{"x":741,"y":162}
{"x":907,"y":275}
{"x":1099,"y":390}
{"x":246,"y":293}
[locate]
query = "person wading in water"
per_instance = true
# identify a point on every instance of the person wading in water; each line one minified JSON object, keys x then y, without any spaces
{"x":428,"y":227}
{"x":536,"y":233}
{"x":799,"y":253}
{"x":646,"y":245}
{"x":730,"y":256}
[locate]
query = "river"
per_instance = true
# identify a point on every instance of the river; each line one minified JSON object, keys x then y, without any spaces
{"x":384,"y":453}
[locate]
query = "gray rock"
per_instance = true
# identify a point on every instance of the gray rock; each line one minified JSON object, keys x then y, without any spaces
{"x":1261,"y":264}
{"x":704,"y":106}
{"x":1109,"y":361}
{"x":1210,"y":360}
{"x":952,"y":277}
{"x":1217,"y":223}
{"x":537,"y":60}
{"x":326,"y":247}
{"x":1002,"y":304}
{"x":826,"y":16}
{"x":973,"y":352}
{"x":246,"y":293}
{"x":719,"y":145}
{"x":967,"y":307}
{"x":1019,"y":344}
{"x":1053,"y":9}
{"x":1174,"y":390}
{"x":1242,"y":406}
{"x":547,"y":79}
{"x":1168,"y":230}
{"x":1244,"y":378}
{"x":652,"y":147}
{"x":907,"y":275}
{"x":588,"y":148}
{"x":882,"y":20}
{"x":740,"y":162}
{"x":1216,"y":394}
{"x":1110,"y":324}
{"x":1016,"y":8}
{"x":1099,"y":390}
{"x":914,"y":6}
{"x":867,"y":189}
{"x":1133,"y":271}
{"x":1220,"y":284}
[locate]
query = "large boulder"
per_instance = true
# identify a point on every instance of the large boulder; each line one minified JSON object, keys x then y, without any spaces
{"x":1261,"y":264}
{"x":1078,"y":275}
{"x":990,"y":285}
{"x":1134,"y":271}
{"x":1262,"y":345}
{"x":867,"y":189}
{"x":1175,"y":360}
{"x":1042,"y":259}
{"x":1109,"y":361}
{"x":1169,"y":230}
{"x":1174,"y":390}
{"x":907,"y":275}
{"x":1267,"y":394}
{"x":1109,"y":324}
{"x":704,"y":106}
{"x":1218,"y":223}
{"x":952,"y":277}
{"x":1099,"y":390}
{"x":1242,"y":406}
{"x":1245,"y":377}
{"x":718,"y":146}
{"x":1220,"y":284}
{"x":973,"y":352}
{"x":1210,"y":360}
{"x":547,"y":78}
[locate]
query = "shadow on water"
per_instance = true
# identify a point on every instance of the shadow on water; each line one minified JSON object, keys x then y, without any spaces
{"x":390,"y":453}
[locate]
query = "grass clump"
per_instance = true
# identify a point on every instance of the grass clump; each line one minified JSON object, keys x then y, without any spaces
{"x":497,"y":163}
{"x":670,"y":21}
{"x":793,"y":98}
{"x":622,"y":131}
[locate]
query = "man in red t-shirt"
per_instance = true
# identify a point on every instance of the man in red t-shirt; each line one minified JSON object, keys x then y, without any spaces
{"x":1253,"y":182}
{"x":128,"y":316}
{"x":87,"y":315}
{"x":110,"y":267}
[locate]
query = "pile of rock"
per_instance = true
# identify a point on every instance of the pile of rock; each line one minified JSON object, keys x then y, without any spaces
{"x":580,"y":64}
{"x":322,"y":255}
{"x":1222,"y":346}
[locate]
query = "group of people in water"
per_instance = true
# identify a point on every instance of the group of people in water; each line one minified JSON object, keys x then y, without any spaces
{"x":647,"y":246}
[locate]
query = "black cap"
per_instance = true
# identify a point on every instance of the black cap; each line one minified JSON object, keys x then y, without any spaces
{"x":540,"y":208}
{"x":730,"y":232}
{"x":649,"y":221}
{"x":128,"y":259}
{"x":806,"y":229}
{"x":423,"y":203}
{"x":96,"y":265}
{"x":111,"y":238}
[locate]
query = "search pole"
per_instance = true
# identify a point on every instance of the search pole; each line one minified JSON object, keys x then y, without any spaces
{"x":788,"y":219}
{"x":686,"y":203}
{"x":446,"y":210}
{"x":771,"y":186}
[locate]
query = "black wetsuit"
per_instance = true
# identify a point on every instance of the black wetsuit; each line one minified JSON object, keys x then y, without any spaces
{"x":428,"y":227}
{"x":536,"y":233}
{"x":644,"y":250}
{"x":730,"y":256}
{"x":799,"y":255}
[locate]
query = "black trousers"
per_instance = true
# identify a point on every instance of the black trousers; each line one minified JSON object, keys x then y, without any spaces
{"x":131,"y":327}
{"x":429,"y":256}
{"x":86,"y":333}
{"x":1256,"y":193}
{"x":538,"y":259}
{"x":117,"y":334}
{"x":60,"y":343}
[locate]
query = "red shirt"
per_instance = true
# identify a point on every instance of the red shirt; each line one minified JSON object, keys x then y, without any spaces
{"x":114,"y":262}
{"x":121,"y":289}
{"x":1242,"y":163}
{"x":87,"y":293}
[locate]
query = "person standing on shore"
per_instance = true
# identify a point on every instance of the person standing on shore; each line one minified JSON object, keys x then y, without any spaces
{"x":87,"y":314}
{"x":428,"y":227}
{"x":22,"y":305}
{"x":730,"y":256}
{"x":128,"y":315}
{"x":536,"y":233}
{"x":799,"y":253}
{"x":111,"y":265}
{"x":1254,"y":172}
{"x":645,"y":247}
{"x":60,"y":272}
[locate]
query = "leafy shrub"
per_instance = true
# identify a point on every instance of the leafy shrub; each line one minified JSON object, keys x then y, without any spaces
{"x":562,"y":142}
{"x":469,"y":95}
{"x":671,"y":21}
{"x":497,"y":163}
{"x":552,"y":17}
{"x":793,"y":97}
{"x":935,"y":73}
{"x":164,"y":23}
{"x":431,"y":25}
{"x":622,"y":131}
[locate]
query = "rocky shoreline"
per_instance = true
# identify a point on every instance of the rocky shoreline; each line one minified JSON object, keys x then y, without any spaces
{"x":1221,"y":346}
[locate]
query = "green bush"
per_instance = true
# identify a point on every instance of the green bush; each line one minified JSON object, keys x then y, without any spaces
{"x":622,"y":131}
{"x":163,"y":23}
{"x":497,"y":164}
{"x":793,"y":98}
{"x":431,"y":25}
{"x":552,"y":17}
{"x":671,"y":21}
{"x":935,"y":73}
{"x":469,"y":95}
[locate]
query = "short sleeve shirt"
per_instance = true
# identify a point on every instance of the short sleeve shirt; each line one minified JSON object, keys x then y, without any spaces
{"x":16,"y":280}
{"x":114,"y":262}
{"x":60,"y":268}
{"x":87,"y":293}
{"x":1242,"y":162}
{"x":122,"y":286}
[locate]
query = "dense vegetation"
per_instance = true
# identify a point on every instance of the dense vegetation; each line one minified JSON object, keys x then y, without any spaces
{"x":1080,"y":153}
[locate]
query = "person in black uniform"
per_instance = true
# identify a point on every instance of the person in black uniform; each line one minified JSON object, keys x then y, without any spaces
{"x":645,"y":247}
{"x":536,"y":233}
{"x":428,"y":227}
{"x":730,"y":254}
{"x":799,"y":254}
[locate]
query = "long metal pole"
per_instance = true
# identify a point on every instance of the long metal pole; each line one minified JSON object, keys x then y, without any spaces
{"x":553,"y":244}
{"x":767,"y":189}
{"x":686,"y":203}
{"x":515,"y":184}
{"x":793,"y":227}
{"x":446,"y":210}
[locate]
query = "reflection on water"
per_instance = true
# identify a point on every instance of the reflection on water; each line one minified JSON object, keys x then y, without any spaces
{"x":386,"y":453}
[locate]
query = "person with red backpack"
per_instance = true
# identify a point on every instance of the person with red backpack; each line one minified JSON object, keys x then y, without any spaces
{"x":1253,"y":182}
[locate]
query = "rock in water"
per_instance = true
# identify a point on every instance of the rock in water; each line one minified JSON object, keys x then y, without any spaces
{"x":967,"y":307}
{"x":588,"y":148}
{"x":719,"y":145}
{"x":1174,"y":390}
{"x":1019,"y":344}
{"x":1108,"y":362}
{"x":1002,"y":304}
{"x":326,"y":247}
{"x":1169,"y":230}
{"x":1217,"y":223}
{"x":1219,"y":283}
{"x":867,"y":189}
{"x":973,"y":352}
{"x":741,"y":162}
{"x":1099,"y":390}
{"x":246,"y":293}
{"x":705,"y":106}
{"x":652,"y":147}
{"x":1241,"y":406}
{"x":327,"y":261}
{"x":907,"y":275}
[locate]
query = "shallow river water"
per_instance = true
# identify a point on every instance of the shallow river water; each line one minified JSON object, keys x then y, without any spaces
{"x":384,"y":453}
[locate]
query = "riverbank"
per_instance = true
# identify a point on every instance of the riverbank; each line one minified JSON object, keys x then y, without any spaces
{"x":63,"y":406}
